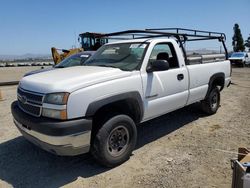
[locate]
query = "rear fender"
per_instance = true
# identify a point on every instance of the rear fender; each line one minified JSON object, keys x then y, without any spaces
{"x":217,"y":79}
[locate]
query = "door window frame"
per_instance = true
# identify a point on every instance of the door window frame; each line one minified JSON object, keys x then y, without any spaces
{"x":173,"y":52}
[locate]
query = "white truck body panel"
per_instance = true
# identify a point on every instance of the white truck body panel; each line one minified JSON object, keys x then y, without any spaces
{"x":102,"y":90}
{"x":163,"y":92}
{"x":199,"y":76}
{"x":70,"y":79}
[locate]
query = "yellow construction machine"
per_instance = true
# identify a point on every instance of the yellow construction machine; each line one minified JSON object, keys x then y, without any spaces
{"x":89,"y":41}
{"x":58,"y":57}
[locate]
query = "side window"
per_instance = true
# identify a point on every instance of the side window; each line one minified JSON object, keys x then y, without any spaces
{"x":164,"y":51}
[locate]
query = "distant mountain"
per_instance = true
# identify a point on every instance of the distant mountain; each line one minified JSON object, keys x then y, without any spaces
{"x":25,"y":56}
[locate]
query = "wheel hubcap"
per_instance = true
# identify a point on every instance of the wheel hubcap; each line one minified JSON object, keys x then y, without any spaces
{"x":118,"y":141}
{"x":214,"y":100}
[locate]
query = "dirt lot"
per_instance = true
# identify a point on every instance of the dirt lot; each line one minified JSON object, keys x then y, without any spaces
{"x":180,"y":149}
{"x":8,"y":74}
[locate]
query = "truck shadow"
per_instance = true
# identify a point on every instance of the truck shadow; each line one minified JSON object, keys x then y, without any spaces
{"x":164,"y":125}
{"x":24,"y":165}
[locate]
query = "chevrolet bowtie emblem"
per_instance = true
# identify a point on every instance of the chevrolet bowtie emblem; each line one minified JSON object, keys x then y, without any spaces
{"x":23,"y":99}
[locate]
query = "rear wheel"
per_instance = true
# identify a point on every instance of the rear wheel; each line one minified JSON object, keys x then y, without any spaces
{"x":211,"y":104}
{"x":114,"y":141}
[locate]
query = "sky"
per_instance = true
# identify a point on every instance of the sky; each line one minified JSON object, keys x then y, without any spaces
{"x":32,"y":26}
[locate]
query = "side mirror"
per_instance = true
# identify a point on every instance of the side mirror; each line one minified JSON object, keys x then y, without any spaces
{"x":158,"y":65}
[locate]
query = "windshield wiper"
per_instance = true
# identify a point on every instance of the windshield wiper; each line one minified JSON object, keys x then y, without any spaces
{"x":103,"y":65}
{"x":59,"y":66}
{"x":123,"y":69}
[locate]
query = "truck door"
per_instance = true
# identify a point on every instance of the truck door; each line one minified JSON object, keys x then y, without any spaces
{"x":165,"y":91}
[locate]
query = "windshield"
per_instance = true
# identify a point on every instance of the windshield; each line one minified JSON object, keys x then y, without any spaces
{"x":237,"y":55}
{"x":125,"y":56}
{"x":74,"y":60}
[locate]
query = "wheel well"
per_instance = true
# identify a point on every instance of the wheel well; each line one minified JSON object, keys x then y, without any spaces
{"x":219,"y":81}
{"x":216,"y":80}
{"x":129,"y":107}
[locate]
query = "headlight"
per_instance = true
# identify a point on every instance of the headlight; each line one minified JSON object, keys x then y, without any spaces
{"x":56,"y":98}
{"x":57,"y":114}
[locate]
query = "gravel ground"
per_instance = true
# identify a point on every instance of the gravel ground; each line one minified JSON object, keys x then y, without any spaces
{"x":8,"y":74}
{"x":184,"y":148}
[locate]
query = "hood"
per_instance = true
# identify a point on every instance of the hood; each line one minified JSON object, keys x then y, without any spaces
{"x":70,"y":79}
{"x":38,"y":71}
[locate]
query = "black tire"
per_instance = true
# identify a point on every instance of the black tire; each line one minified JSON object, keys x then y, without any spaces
{"x":114,"y":141}
{"x":211,"y":104}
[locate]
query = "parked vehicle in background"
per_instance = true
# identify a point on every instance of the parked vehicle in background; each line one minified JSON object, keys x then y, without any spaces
{"x":240,"y":58}
{"x":73,"y":60}
{"x":96,"y":107}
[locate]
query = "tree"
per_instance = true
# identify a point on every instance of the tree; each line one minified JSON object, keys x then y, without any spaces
{"x":247,"y":44}
{"x":238,"y":42}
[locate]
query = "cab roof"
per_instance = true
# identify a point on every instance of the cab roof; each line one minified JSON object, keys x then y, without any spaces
{"x":147,"y":40}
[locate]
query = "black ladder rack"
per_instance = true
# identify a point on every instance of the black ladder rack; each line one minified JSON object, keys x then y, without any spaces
{"x":182,"y":35}
{"x":192,"y":32}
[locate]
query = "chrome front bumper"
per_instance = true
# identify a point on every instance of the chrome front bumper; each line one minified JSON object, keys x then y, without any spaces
{"x":67,"y":138}
{"x":69,"y":145}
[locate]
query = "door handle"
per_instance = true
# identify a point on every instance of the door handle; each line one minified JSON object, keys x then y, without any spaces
{"x":180,"y":76}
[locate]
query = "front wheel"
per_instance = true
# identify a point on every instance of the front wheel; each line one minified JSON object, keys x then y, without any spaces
{"x":115,"y":141}
{"x":211,"y":104}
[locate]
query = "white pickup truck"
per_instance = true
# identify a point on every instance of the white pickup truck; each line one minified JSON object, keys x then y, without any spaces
{"x":96,"y":107}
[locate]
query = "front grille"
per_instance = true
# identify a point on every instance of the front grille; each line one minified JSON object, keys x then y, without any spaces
{"x":30,"y":102}
{"x":236,"y":61}
{"x":29,"y":108}
{"x":34,"y":97}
